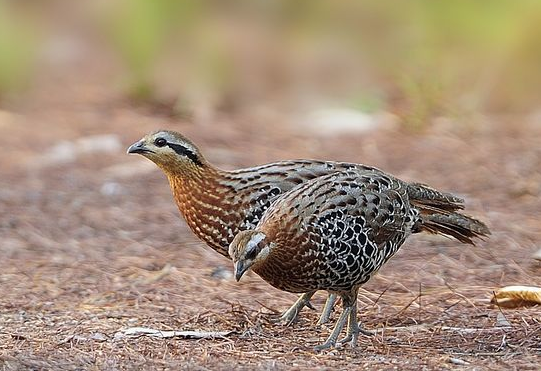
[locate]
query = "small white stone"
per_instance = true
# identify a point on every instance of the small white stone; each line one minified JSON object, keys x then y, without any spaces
{"x":335,"y":121}
{"x":98,"y":336}
{"x":111,"y":189}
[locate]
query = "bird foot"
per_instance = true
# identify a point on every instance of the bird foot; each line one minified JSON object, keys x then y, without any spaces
{"x":291,"y":315}
{"x":286,"y":319}
{"x":351,"y":339}
{"x":367,"y":332}
{"x":361,"y":331}
{"x":352,"y":336}
{"x":326,"y":345}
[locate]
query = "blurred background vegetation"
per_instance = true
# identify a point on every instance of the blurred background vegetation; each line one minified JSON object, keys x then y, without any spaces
{"x":418,"y":59}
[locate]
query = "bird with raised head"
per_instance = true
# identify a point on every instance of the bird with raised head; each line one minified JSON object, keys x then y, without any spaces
{"x":336,"y":231}
{"x":217,"y":204}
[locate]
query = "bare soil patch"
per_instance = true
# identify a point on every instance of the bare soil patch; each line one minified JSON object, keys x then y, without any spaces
{"x":93,"y":244}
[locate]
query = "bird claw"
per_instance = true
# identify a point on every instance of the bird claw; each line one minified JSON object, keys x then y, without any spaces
{"x":284,"y":320}
{"x":352,"y":336}
{"x":347,"y":339}
{"x":367,"y":332}
{"x":326,"y":345}
{"x":290,"y":316}
{"x":287,"y":318}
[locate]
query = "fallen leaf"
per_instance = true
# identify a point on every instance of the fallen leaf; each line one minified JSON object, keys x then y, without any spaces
{"x":517,"y":296}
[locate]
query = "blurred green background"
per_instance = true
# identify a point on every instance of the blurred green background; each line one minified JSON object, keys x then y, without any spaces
{"x":418,"y":59}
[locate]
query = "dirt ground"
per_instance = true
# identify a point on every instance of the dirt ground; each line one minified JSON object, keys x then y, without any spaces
{"x":91,"y":244}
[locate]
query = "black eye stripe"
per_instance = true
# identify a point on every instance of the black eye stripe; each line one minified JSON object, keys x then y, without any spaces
{"x":252,"y":253}
{"x":183,"y":151}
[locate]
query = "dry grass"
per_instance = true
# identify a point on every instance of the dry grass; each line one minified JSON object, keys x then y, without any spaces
{"x":78,"y":265}
{"x":94,"y":245}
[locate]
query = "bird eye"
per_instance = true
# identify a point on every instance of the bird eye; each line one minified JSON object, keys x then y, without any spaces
{"x":251,"y":254}
{"x":160,"y":142}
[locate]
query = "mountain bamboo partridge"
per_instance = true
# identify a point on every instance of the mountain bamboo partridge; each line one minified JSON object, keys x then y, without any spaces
{"x":336,"y":231}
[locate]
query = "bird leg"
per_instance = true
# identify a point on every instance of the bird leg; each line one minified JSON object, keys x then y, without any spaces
{"x":331,"y":340}
{"x":290,"y":315}
{"x":327,"y":309}
{"x":354,"y":328}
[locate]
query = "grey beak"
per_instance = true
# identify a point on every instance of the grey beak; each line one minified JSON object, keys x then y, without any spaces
{"x":139,"y":147}
{"x":240,"y":269}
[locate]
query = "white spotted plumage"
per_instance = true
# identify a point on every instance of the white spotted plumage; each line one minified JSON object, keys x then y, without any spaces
{"x":336,"y":231}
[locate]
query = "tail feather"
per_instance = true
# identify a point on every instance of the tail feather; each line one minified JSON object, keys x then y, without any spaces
{"x":440,"y":214}
{"x":427,"y":197}
{"x":459,"y":226}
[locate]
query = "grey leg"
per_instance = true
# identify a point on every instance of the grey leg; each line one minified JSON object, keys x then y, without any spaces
{"x":290,"y":315}
{"x":327,"y":309}
{"x":353,"y":328}
{"x":331,"y":340}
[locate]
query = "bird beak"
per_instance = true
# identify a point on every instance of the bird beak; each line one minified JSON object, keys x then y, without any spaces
{"x":139,"y":147}
{"x":240,"y":269}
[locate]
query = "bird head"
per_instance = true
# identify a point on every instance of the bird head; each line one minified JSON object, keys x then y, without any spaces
{"x":169,"y":150}
{"x":248,"y":249}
